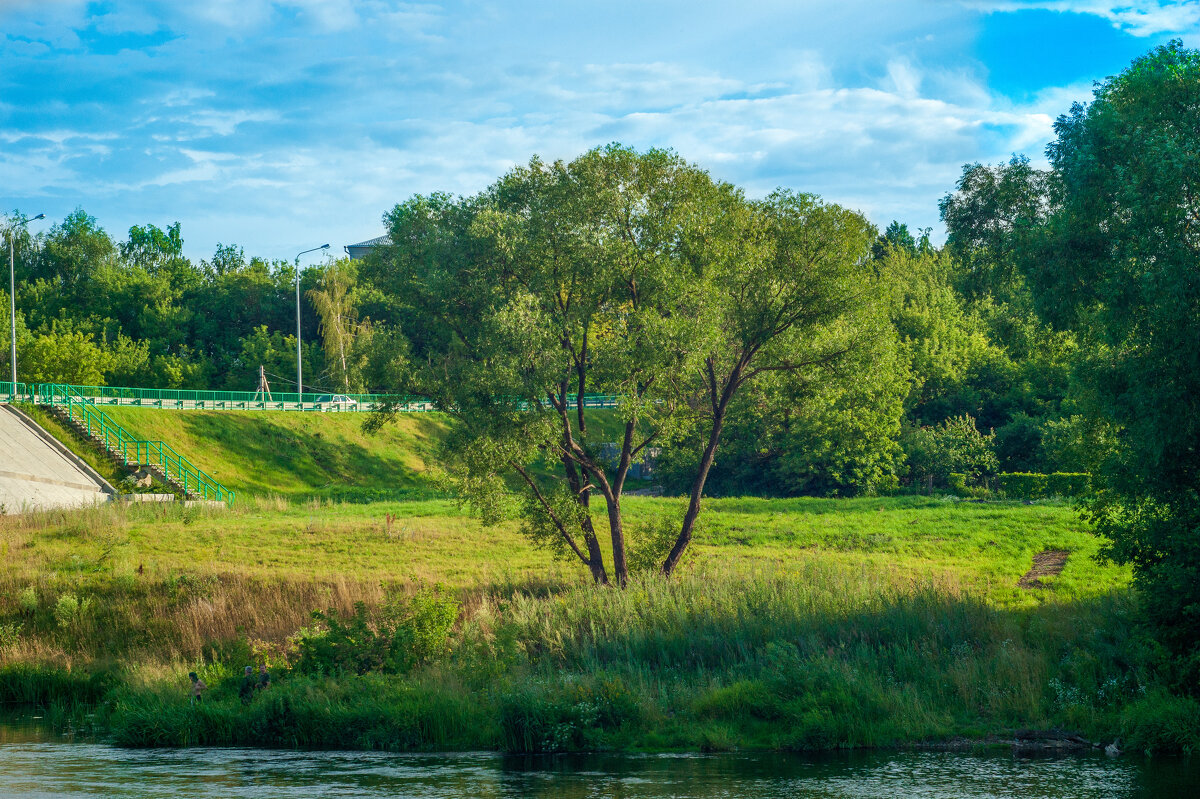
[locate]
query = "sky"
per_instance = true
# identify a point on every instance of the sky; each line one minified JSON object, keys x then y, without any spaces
{"x":280,"y":125}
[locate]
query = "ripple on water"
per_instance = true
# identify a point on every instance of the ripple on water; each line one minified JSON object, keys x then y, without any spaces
{"x":32,"y":770}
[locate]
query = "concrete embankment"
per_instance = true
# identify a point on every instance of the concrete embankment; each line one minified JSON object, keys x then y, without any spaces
{"x":37,"y":472}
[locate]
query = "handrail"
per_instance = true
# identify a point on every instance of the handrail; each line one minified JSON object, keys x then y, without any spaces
{"x":189,"y":399}
{"x":122,"y":443}
{"x":13,"y":392}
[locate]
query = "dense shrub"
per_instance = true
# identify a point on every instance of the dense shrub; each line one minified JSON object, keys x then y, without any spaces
{"x":1025,"y":485}
{"x":27,"y":684}
{"x":1162,"y":724}
{"x":406,"y":633}
{"x":546,"y":716}
{"x":954,"y":447}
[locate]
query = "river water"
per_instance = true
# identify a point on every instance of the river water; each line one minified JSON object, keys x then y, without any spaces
{"x":33,"y":765}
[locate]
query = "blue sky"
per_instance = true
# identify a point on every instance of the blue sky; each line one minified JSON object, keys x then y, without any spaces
{"x":278,"y":125}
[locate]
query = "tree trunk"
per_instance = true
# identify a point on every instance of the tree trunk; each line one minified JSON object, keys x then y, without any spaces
{"x":617,"y":530}
{"x":706,"y":461}
{"x":596,"y":559}
{"x":595,"y":554}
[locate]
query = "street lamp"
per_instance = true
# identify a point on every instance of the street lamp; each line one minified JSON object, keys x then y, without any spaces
{"x":12,"y":294}
{"x":299,"y":367}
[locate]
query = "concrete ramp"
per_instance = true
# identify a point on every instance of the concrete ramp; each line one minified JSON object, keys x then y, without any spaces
{"x":37,"y":472}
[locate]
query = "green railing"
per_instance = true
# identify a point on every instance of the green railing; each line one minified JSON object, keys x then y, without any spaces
{"x":13,"y":392}
{"x":187,"y":399}
{"x":128,"y":448}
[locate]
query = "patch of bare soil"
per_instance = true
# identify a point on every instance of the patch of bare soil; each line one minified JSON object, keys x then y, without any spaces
{"x":1047,"y":563}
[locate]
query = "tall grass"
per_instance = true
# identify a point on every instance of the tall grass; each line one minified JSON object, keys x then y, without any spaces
{"x":800,"y":625}
{"x":812,"y":659}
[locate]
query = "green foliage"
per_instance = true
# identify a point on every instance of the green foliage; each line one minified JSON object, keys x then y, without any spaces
{"x":806,"y":434}
{"x":954,"y":446}
{"x":633,"y":275}
{"x":650,"y":541}
{"x":1042,"y":486}
{"x":548,"y":716}
{"x":39,"y":686}
{"x":991,"y":212}
{"x":93,"y":311}
{"x":1116,"y":260}
{"x":71,"y":612}
{"x":28,"y":599}
{"x":1162,"y":724}
{"x":406,"y":634}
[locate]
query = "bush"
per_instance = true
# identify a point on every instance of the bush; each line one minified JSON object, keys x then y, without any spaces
{"x":406,"y":634}
{"x":546,"y":717}
{"x":1026,"y":485}
{"x":954,"y":446}
{"x":1162,"y":724}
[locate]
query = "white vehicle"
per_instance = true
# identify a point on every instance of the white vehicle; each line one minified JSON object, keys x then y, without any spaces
{"x":337,"y":401}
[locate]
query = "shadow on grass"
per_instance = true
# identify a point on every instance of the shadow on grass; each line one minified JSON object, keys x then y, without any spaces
{"x":276,"y":457}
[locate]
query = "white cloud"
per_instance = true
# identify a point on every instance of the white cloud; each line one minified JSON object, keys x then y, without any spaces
{"x":875,"y":106}
{"x":1137,"y":17}
{"x":224,"y":123}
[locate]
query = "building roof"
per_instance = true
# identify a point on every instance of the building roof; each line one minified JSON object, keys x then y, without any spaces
{"x":378,"y":241}
{"x":363,"y":247}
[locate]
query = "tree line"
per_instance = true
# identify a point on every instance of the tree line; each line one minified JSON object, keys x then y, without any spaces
{"x":95,"y":311}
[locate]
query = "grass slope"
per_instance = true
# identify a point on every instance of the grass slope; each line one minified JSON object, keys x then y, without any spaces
{"x":296,"y":455}
{"x":302,"y":455}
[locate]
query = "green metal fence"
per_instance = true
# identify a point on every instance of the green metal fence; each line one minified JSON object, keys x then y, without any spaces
{"x":187,"y":399}
{"x":14,"y":392}
{"x":130,"y":449}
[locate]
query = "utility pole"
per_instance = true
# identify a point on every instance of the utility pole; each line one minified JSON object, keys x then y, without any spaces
{"x":264,"y":389}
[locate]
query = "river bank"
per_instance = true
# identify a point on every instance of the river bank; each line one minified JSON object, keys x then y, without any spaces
{"x":817,"y":660}
{"x":801,"y":625}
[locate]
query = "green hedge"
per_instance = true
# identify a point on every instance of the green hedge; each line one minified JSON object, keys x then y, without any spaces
{"x":1026,"y":485}
{"x":1022,"y":485}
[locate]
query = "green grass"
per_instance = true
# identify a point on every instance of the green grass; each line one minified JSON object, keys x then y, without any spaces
{"x":302,"y":455}
{"x":296,"y":455}
{"x":797,"y":624}
{"x":915,"y":540}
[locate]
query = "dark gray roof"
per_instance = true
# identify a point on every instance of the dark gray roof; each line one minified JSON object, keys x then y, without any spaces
{"x":361,"y":249}
{"x":378,"y":241}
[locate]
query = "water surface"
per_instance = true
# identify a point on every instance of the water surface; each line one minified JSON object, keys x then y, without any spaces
{"x":33,"y":765}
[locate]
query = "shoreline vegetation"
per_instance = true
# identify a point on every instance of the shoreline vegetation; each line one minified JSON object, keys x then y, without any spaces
{"x":802,"y":624}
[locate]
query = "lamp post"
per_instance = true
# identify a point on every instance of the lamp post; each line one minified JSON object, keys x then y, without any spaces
{"x":299,"y":366}
{"x":12,"y":294}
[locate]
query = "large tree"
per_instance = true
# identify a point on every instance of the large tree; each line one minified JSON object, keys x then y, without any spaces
{"x":795,"y":294}
{"x":624,"y":274}
{"x":1119,"y":260}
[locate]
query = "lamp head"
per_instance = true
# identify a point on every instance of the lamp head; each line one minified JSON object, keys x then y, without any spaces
{"x":43,"y":216}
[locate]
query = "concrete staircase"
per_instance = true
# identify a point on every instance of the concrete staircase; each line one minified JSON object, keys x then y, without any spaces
{"x":160,"y":476}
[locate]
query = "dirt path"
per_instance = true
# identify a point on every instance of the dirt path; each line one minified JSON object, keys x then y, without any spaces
{"x":1047,"y":563}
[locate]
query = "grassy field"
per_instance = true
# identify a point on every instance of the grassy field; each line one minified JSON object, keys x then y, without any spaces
{"x":296,"y":455}
{"x":796,"y":624}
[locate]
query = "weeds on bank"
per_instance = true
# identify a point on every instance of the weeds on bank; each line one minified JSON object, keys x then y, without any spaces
{"x":814,"y":659}
{"x":804,"y":624}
